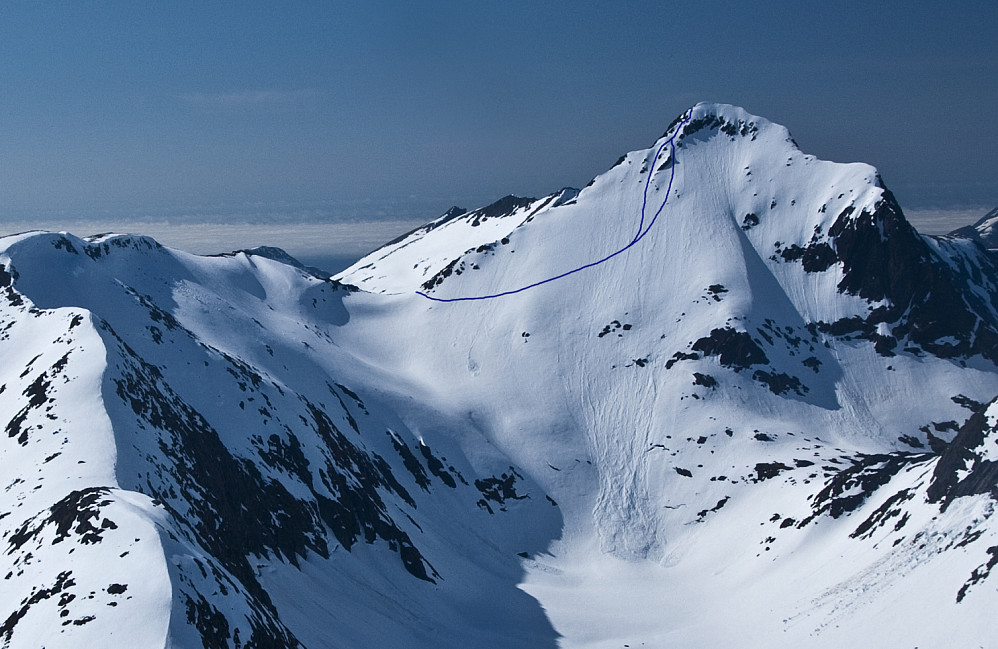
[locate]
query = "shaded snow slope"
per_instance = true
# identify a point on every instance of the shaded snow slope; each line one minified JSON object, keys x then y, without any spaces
{"x":82,"y":562}
{"x":235,"y":455}
{"x":759,"y":420}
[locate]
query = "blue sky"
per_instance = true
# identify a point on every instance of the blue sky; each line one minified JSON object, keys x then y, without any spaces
{"x":355,"y":111}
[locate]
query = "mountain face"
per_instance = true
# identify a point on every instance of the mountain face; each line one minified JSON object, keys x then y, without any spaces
{"x":724,"y":391}
{"x":984,"y":230}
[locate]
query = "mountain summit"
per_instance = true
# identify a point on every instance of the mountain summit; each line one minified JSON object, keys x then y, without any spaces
{"x":983,"y":230}
{"x":724,"y":391}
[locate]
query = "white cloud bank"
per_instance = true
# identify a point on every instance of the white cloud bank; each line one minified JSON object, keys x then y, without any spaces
{"x":330,"y":246}
{"x":941,"y":221}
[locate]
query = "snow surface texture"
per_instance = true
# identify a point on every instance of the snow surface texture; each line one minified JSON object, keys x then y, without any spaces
{"x":767,"y":423}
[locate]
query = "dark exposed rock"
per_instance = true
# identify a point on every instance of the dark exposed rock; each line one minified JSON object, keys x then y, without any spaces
{"x":716,"y":290}
{"x":767,"y":470}
{"x":63,"y":581}
{"x":437,"y":468}
{"x":498,"y":490}
{"x":234,"y":511}
{"x":780,"y":382}
{"x":812,"y":362}
{"x":678,"y":120}
{"x":891,"y":509}
{"x":37,"y":393}
{"x":75,"y":515}
{"x":936,"y":444}
{"x":502,"y":207}
{"x":350,"y":393}
{"x":410,"y":462}
{"x":816,"y":257}
{"x":680,"y":356}
{"x":849,"y":488}
{"x":932,"y":303}
{"x":963,"y":469}
{"x":967,"y":402}
{"x":63,"y":243}
{"x":210,"y":623}
{"x":979,"y":573}
{"x":705,"y":380}
{"x":734,"y":349}
{"x":614,"y":326}
{"x":455,"y":267}
{"x":708,"y":123}
{"x":702,"y":514}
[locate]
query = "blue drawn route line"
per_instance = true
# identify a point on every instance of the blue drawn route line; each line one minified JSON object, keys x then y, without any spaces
{"x":642,"y":230}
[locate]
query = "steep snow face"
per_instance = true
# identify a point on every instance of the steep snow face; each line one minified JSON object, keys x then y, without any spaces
{"x":724,"y":381}
{"x":769,"y":262}
{"x":759,"y":371}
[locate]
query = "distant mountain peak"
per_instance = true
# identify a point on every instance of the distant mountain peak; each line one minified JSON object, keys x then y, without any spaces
{"x":984,"y":230}
{"x":710,"y":117}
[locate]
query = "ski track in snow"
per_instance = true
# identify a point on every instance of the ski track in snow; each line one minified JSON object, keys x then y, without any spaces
{"x":642,"y":230}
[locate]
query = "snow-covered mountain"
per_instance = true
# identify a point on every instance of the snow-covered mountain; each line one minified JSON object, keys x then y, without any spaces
{"x":985,"y":230}
{"x":723,"y":395}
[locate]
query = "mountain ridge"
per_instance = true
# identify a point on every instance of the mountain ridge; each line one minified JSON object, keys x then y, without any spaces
{"x":778,"y":406}
{"x":982,"y":230}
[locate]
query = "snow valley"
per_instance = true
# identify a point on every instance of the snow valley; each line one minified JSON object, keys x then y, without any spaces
{"x":723,"y":395}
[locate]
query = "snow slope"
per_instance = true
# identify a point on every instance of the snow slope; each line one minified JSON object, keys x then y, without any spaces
{"x":242,"y":461}
{"x":780,"y":325}
{"x":760,"y":420}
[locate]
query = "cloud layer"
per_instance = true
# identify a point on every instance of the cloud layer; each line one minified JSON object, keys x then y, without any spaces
{"x":330,"y":246}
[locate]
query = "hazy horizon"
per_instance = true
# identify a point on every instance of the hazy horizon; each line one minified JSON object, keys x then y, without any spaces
{"x":319,"y":113}
{"x":135,"y":108}
{"x":333,"y":244}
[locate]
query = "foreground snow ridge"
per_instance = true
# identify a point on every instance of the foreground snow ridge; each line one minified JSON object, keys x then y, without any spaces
{"x":772,"y":422}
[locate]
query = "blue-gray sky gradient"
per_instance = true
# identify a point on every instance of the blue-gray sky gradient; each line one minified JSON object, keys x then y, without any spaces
{"x":123,"y":109}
